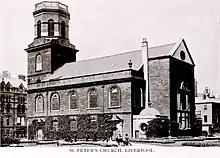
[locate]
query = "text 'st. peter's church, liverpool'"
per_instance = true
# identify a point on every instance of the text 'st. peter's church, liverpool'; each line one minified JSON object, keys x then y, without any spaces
{"x":130,"y":87}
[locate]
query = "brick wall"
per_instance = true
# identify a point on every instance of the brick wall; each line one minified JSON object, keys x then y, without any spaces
{"x":159,"y":84}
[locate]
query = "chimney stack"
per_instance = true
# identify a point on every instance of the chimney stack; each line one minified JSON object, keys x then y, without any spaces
{"x":6,"y":74}
{"x":22,"y":77}
{"x":146,"y":70}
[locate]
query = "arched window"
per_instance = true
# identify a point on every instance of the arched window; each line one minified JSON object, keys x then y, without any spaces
{"x":73,"y":102}
{"x":63,"y":29}
{"x":93,"y":98}
{"x":19,"y":108}
{"x":138,"y":97}
{"x":8,"y":108}
{"x":39,"y":62}
{"x":2,"y":107}
{"x":114,"y":96}
{"x":142,"y":98}
{"x":39,"y":103}
{"x":39,"y":29}
{"x":23,"y":108}
{"x":183,"y":106}
{"x":55,"y":102}
{"x":50,"y":27}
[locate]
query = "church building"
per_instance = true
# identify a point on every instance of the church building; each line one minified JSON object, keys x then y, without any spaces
{"x":124,"y":86}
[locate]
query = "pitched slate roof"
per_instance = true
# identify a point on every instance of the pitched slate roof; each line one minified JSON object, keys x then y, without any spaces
{"x":200,"y":100}
{"x":109,"y":63}
{"x":14,"y":82}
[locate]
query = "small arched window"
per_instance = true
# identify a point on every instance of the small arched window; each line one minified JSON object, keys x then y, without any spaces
{"x":114,"y":96}
{"x":2,"y":107}
{"x":73,"y":102}
{"x":39,"y":62}
{"x":39,"y":29}
{"x":93,"y":98}
{"x":50,"y":27}
{"x":55,"y":102}
{"x":39,"y":104}
{"x":63,"y":29}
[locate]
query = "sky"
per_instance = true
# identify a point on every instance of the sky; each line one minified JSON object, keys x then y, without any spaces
{"x":106,"y":27}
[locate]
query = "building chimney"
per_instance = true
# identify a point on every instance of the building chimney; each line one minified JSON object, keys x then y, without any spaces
{"x":146,"y":70}
{"x":22,"y":77}
{"x":6,"y":74}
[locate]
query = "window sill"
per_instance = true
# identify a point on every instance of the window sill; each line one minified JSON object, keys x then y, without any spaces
{"x":55,"y":110}
{"x":37,"y":112}
{"x":73,"y":109}
{"x":114,"y":107}
{"x":93,"y":108}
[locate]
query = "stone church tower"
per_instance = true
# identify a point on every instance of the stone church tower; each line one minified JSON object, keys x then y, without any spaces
{"x":51,"y":47}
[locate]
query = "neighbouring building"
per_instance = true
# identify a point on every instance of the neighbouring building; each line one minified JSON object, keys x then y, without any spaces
{"x":208,"y":109}
{"x":13,"y":100}
{"x":124,"y":86}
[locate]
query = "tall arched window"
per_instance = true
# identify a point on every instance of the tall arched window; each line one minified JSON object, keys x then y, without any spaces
{"x":114,"y":96}
{"x":39,"y":62}
{"x":93,"y":98}
{"x":55,"y":102}
{"x":63,"y":29}
{"x":142,"y":98}
{"x":73,"y":101}
{"x":39,"y":29}
{"x":39,"y":103}
{"x":138,"y":97}
{"x":50,"y":27}
{"x":183,"y":107}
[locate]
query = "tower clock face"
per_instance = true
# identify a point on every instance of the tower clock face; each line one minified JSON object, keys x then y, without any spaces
{"x":182,"y":55}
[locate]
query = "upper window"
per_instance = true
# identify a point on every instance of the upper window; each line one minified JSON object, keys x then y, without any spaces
{"x":63,"y":30}
{"x":138,"y":102}
{"x":205,"y":107}
{"x":205,"y":119}
{"x":50,"y":27}
{"x":73,"y":104}
{"x":55,"y":102}
{"x":114,"y":96}
{"x":39,"y":104}
{"x":93,"y":98}
{"x":38,"y":62}
{"x":39,"y":29}
{"x":182,"y":55}
{"x":8,"y":108}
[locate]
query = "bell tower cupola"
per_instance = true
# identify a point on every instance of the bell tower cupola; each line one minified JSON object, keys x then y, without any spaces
{"x":51,"y":47}
{"x":51,"y":20}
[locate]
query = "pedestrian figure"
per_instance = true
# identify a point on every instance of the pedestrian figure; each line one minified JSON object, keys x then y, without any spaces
{"x":75,"y":137}
{"x":105,"y":136}
{"x":87,"y":137}
{"x":94,"y":137}
{"x":126,"y":142}
{"x":119,"y":139}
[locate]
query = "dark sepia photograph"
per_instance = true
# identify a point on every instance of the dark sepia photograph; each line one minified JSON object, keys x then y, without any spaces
{"x":110,"y":75}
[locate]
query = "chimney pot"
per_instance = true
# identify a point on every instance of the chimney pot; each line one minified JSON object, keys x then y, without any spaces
{"x":22,"y":77}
